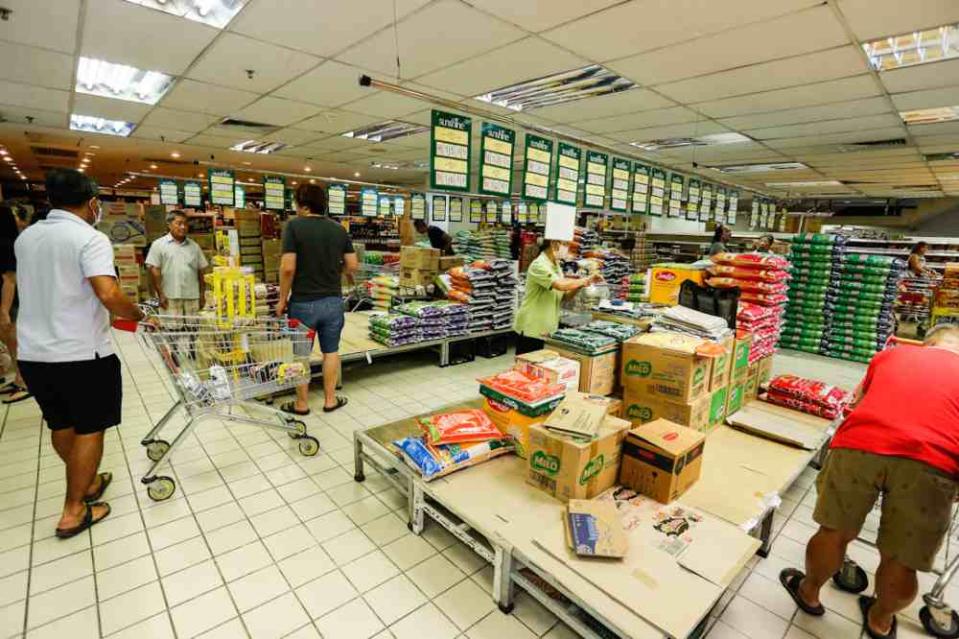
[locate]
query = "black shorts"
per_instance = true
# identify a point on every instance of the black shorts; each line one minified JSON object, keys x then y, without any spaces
{"x":85,"y":396}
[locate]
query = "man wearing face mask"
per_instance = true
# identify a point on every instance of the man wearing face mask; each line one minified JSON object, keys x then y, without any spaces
{"x":68,"y":288}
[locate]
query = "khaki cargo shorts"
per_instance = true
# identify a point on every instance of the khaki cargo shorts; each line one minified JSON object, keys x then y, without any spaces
{"x":917,"y":502}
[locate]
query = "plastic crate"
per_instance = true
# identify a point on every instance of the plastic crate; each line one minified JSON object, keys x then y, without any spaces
{"x":462,"y":352}
{"x":491,"y":346}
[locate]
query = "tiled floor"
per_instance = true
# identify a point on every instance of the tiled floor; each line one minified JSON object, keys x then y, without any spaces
{"x":259,"y":541}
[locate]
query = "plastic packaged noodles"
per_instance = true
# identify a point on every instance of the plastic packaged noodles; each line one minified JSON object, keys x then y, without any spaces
{"x":807,"y":395}
{"x":434,"y":461}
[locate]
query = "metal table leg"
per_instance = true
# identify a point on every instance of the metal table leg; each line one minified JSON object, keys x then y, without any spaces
{"x":416,"y":499}
{"x":358,"y":474}
{"x":445,"y":354}
{"x":502,"y":577}
{"x":766,"y":534}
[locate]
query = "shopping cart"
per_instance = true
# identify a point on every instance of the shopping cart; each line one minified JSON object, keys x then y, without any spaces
{"x":217,"y":367}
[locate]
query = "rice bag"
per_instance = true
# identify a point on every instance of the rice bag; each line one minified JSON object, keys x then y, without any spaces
{"x":459,"y":426}
{"x":522,"y":387}
{"x":436,"y":461}
{"x":768,"y":275}
{"x":809,"y":391}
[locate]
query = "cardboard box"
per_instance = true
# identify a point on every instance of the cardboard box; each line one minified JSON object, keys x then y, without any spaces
{"x":450,"y":261}
{"x":740,"y":362}
{"x":614,"y":405}
{"x":597,"y":373}
{"x":416,"y":277}
{"x":722,"y":366}
{"x":666,"y":365}
{"x":124,"y":252}
{"x":273,"y":248}
{"x":666,"y":279}
{"x":548,"y":365}
{"x":570,"y":468}
{"x":576,"y":416}
{"x":595,"y":529}
{"x":661,"y":459}
{"x":512,"y":421}
{"x":418,"y":257}
{"x":736,"y":397}
{"x":702,"y":414}
{"x":765,"y":369}
{"x":751,"y":387}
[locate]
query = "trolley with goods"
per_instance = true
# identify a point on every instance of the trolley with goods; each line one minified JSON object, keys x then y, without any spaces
{"x":218,"y":366}
{"x":914,"y":301}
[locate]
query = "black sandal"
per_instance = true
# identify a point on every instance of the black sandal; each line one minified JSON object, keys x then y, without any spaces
{"x":88,"y":521}
{"x":790,"y":578}
{"x":290,"y":407}
{"x":340,"y":403}
{"x":105,"y":479}
{"x":865,"y":603}
{"x":18,"y":394}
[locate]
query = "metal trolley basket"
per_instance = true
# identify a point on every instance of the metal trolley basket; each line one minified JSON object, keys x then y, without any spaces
{"x":218,"y":366}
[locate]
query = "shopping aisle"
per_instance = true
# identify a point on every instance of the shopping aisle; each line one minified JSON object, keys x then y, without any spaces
{"x":259,"y":541}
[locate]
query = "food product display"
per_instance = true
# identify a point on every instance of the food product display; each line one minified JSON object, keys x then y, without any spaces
{"x":489,"y":289}
{"x":808,"y":395}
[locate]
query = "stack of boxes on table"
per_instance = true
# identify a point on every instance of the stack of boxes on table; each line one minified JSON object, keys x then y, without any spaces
{"x":420,"y":265}
{"x":128,"y":270}
{"x":250,"y":239}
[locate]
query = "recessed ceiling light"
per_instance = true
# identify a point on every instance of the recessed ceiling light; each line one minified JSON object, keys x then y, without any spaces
{"x":760,"y":168}
{"x":216,"y":13}
{"x":94,"y":146}
{"x":390,"y":166}
{"x":356,"y":174}
{"x":7,"y":158}
{"x":383,"y":131}
{"x":153,"y":166}
{"x":307,"y":169}
{"x":109,"y":80}
{"x":930,"y":116}
{"x":258,"y":146}
{"x":81,"y":169}
{"x":803,"y":184}
{"x":312,"y":181}
{"x":199,"y":175}
{"x":247,"y":164}
{"x":703,"y":140}
{"x":4,"y":152}
{"x":175,"y":155}
{"x":915,"y":47}
{"x":586,"y":82}
{"x":93,"y":124}
{"x":293,"y":182}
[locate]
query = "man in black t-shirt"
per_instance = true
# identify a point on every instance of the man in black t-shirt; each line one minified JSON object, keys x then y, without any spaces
{"x":439,"y":239}
{"x":317,"y":251}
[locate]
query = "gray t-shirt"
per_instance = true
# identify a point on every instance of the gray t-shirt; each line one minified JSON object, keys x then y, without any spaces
{"x":320,"y":244}
{"x":716,"y":247}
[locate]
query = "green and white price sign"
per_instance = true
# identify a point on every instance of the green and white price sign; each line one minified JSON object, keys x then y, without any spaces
{"x":506,"y":212}
{"x":239,"y":197}
{"x":418,"y":206}
{"x":476,"y":211}
{"x":567,"y":173}
{"x":496,"y":159}
{"x":221,"y":186}
{"x":706,"y":203}
{"x":450,"y":151}
{"x":439,"y":208}
{"x":369,"y":201}
{"x":169,"y":193}
{"x":522,"y":212}
{"x":274,"y":193}
{"x":657,"y":192}
{"x":384,"y":205}
{"x":732,"y":196}
{"x":754,"y":213}
{"x":456,"y":208}
{"x":597,"y":165}
{"x":693,"y":193}
{"x":720,"y":212}
{"x":399,"y":205}
{"x":537,"y":167}
{"x":490,"y":211}
{"x":619,"y":187}
{"x":336,"y":199}
{"x":676,"y":184}
{"x":192,"y":194}
{"x":640,"y":189}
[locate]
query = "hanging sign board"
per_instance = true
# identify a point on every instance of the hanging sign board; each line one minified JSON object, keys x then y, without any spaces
{"x":706,"y":202}
{"x":754,"y":213}
{"x":221,"y":186}
{"x":657,"y":192}
{"x":192,"y":195}
{"x":619,"y":186}
{"x":169,"y":193}
{"x":506,"y":212}
{"x":596,"y":169}
{"x":522,"y":213}
{"x":274,"y":193}
{"x":640,"y":189}
{"x":476,"y":211}
{"x":692,"y":199}
{"x":567,"y":173}
{"x":676,"y":184}
{"x":439,"y":208}
{"x":490,"y":211}
{"x":450,"y":151}
{"x":383,"y":205}
{"x":541,"y":210}
{"x":720,"y":211}
{"x":732,"y":197}
{"x":496,"y":159}
{"x":239,"y":197}
{"x":399,"y":206}
{"x":537,"y":166}
{"x":336,"y":199}
{"x":456,"y":208}
{"x":418,"y":206}
{"x":369,"y":201}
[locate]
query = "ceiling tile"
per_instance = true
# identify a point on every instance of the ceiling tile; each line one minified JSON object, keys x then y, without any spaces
{"x":643,"y":25}
{"x":537,"y":15}
{"x":30,"y":65}
{"x":852,"y":108}
{"x":691,"y":129}
{"x":295,"y":136}
{"x":631,"y":101}
{"x":871,"y":19}
{"x":320,"y":30}
{"x":276,"y":111}
{"x":427,"y":40}
{"x":227,"y":61}
{"x":25,"y":95}
{"x":819,"y":93}
{"x":922,"y":76}
{"x":805,"y":69}
{"x":331,"y":84}
{"x":179,"y":120}
{"x":938,"y":128}
{"x":838,"y":138}
{"x":161,"y":133}
{"x":216,"y":141}
{"x":149,"y":40}
{"x":827,"y":126}
{"x":190,"y":95}
{"x":385,"y":105}
{"x":336,"y":122}
{"x":338,"y":143}
{"x":51,"y":24}
{"x":108,"y":108}
{"x":928,"y":99}
{"x":11,"y":115}
{"x":517,"y":62}
{"x":644,"y":119}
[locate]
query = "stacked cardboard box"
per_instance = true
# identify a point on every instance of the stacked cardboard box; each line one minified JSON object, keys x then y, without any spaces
{"x":662,"y":459}
{"x":418,"y":265}
{"x":128,"y":271}
{"x":154,"y":221}
{"x":272,"y":249}
{"x":201,"y":231}
{"x":251,"y":250}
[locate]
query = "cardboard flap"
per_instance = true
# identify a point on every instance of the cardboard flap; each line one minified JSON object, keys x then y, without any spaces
{"x":668,"y":436}
{"x":757,"y":419}
{"x":676,"y":342}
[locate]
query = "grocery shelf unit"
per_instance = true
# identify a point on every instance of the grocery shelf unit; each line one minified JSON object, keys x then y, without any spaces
{"x":689,"y":247}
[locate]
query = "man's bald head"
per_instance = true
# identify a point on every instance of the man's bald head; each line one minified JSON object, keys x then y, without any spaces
{"x":943,"y":336}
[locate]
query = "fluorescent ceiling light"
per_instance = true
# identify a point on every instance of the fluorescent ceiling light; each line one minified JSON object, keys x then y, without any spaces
{"x":109,"y":80}
{"x":384,"y":131}
{"x":258,"y":146}
{"x":216,"y":13}
{"x":915,"y":47}
{"x":930,"y":116}
{"x":93,"y":124}
{"x":941,"y":157}
{"x":586,"y":82}
{"x":703,"y":140}
{"x":805,"y":184}
{"x":390,"y":166}
{"x":760,"y":168}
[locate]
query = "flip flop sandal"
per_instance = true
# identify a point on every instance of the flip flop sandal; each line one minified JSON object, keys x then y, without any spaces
{"x":340,"y":403}
{"x":9,"y":388}
{"x":865,"y":603}
{"x":88,"y":521}
{"x":105,"y":479}
{"x":290,"y":407}
{"x":18,"y":395}
{"x":790,"y":578}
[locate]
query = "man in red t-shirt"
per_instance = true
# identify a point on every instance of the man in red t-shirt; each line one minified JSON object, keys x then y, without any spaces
{"x":901,"y":441}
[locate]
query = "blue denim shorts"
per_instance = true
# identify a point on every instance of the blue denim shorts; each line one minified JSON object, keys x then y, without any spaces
{"x":324,"y":315}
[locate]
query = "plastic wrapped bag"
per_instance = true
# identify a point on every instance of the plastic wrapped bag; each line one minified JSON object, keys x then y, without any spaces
{"x":437,"y":461}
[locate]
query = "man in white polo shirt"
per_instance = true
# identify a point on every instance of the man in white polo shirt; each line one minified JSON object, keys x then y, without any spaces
{"x":68,"y":287}
{"x":176,"y":266}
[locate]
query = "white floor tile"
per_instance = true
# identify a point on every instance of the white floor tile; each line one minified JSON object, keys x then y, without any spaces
{"x":533,"y":615}
{"x":243,"y":560}
{"x":80,"y":625}
{"x":258,"y":588}
{"x":119,"y":579}
{"x":61,"y":601}
{"x":131,"y":607}
{"x":355,"y":620}
{"x":408,"y":551}
{"x":288,"y":542}
{"x":191,"y":582}
{"x":326,"y":593}
{"x":348,"y":546}
{"x":370,"y":571}
{"x":365,"y":510}
{"x":330,"y":525}
{"x":426,"y":622}
{"x":395,"y":599}
{"x":203,"y":613}
{"x":156,"y":627}
{"x":769,"y":595}
{"x":829,"y":626}
{"x":223,"y":540}
{"x":496,"y":625}
{"x":465,"y":603}
{"x":752,"y":620}
{"x":435,"y":575}
{"x":276,"y":618}
{"x":385,"y":529}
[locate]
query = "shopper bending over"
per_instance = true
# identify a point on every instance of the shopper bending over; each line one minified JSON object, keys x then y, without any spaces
{"x":68,"y":288}
{"x":439,"y":239}
{"x":317,"y":251}
{"x":16,"y":391}
{"x":177,"y":265}
{"x":538,"y":314}
{"x":720,"y":236}
{"x":901,"y":441}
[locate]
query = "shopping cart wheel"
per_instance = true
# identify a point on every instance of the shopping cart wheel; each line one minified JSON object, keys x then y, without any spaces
{"x":308,"y":446}
{"x":161,"y":488}
{"x":940,"y":623}
{"x":300,"y":427}
{"x":157,"y":449}
{"x":851,"y":578}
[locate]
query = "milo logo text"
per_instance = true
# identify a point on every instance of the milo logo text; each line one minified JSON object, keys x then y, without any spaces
{"x":699,"y":375}
{"x":638,"y":368}
{"x":592,"y":469}
{"x":642,"y":413}
{"x":543,"y":463}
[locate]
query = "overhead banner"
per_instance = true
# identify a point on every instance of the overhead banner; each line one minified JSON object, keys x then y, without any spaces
{"x":274,"y":193}
{"x":169,"y":193}
{"x":754,"y":213}
{"x":221,"y":186}
{"x":506,"y":212}
{"x":619,"y":187}
{"x":399,"y":205}
{"x":369,"y":201}
{"x":733,"y":198}
{"x":522,"y":213}
{"x":597,"y":165}
{"x":192,"y":194}
{"x":476,"y":211}
{"x":496,"y":159}
{"x":676,"y":184}
{"x":567,"y":173}
{"x":640,"y":189}
{"x":720,"y":209}
{"x":657,"y":192}
{"x":450,"y":151}
{"x":336,"y":199}
{"x":692,"y":199}
{"x":439,"y":208}
{"x":706,"y":203}
{"x":537,"y":167}
{"x":418,"y":206}
{"x":456,"y":208}
{"x":239,"y":197}
{"x":490,"y":211}
{"x":384,"y":205}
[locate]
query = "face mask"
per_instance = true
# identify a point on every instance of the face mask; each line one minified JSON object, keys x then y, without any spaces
{"x":98,"y":215}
